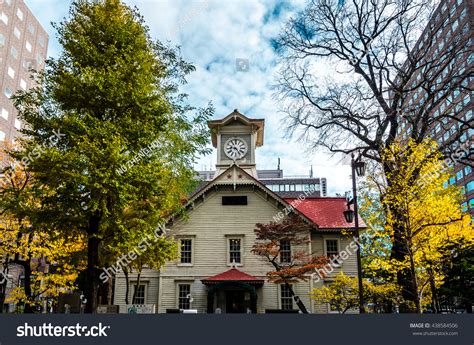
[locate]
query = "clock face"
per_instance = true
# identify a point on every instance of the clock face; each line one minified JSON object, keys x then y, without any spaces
{"x":235,"y":148}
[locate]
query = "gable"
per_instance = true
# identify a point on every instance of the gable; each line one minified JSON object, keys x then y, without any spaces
{"x":236,"y":179}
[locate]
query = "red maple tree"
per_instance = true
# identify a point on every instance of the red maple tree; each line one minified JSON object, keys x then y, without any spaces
{"x":285,"y":245}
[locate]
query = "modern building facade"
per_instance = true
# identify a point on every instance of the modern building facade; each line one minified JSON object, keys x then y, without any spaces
{"x":217,"y":271}
{"x":23,"y":46}
{"x":290,"y":186}
{"x":452,"y":21}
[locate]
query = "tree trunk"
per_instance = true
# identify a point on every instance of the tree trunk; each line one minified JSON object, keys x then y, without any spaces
{"x":414,"y":285}
{"x":136,"y":287}
{"x":297,"y":300}
{"x":92,"y":277}
{"x":27,"y":273}
{"x":468,"y":306}
{"x":399,"y":253}
{"x":434,"y":293}
{"x":110,"y":290}
{"x":3,"y":286}
{"x":127,"y":284}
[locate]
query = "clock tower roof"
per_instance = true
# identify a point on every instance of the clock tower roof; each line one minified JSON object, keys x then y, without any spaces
{"x":237,"y":118}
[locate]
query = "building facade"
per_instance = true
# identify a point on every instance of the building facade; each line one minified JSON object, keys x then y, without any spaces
{"x":450,"y":28}
{"x":23,"y":46}
{"x":216,"y":271}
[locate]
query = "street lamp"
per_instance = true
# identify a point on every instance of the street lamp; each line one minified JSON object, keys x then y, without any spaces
{"x":349,"y":214}
{"x":358,"y":166}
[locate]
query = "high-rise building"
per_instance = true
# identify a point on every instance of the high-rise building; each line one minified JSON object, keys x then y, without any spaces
{"x":449,"y":33}
{"x":23,"y":46}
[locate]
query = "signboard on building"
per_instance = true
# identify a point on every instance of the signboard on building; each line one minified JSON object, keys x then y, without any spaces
{"x":141,"y":309}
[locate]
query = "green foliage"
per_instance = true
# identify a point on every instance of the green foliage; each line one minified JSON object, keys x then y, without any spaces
{"x":113,"y":96}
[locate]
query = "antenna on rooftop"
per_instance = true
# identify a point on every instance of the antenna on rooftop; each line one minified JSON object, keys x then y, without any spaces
{"x":311,"y":171}
{"x":278,"y":163}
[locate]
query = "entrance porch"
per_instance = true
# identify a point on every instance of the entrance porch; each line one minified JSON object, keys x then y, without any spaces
{"x":232,"y":291}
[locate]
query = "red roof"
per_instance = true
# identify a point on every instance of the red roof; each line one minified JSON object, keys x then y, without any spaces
{"x":233,"y":275}
{"x":327,"y":213}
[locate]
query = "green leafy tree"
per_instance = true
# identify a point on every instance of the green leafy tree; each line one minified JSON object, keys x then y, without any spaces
{"x":109,"y":133}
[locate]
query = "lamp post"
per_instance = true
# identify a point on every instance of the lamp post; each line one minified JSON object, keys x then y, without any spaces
{"x":358,"y":166}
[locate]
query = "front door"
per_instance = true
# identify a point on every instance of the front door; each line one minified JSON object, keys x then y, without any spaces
{"x":235,"y":302}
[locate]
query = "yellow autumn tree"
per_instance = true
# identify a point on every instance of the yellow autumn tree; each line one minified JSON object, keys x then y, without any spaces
{"x":48,"y":261}
{"x":342,"y":294}
{"x":432,"y":219}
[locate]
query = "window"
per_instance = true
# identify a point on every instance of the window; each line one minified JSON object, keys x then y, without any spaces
{"x":452,"y":180}
{"x":17,"y":124}
{"x":2,"y":40}
{"x":467,"y":170}
{"x":140,"y":294}
{"x":4,"y":113}
{"x":459,"y":175}
{"x":39,"y":58}
{"x":184,"y":294}
{"x":234,"y":200}
{"x":11,"y":72}
{"x":332,"y":248}
{"x":470,"y":186}
{"x":285,"y":251}
{"x":41,"y":40}
{"x":28,"y":46}
{"x":235,"y":251}
{"x":31,"y":28}
{"x":23,"y":84}
{"x":14,"y":52}
{"x":186,"y":248}
{"x":4,"y":18}
{"x":17,"y":32}
{"x":2,"y":136}
{"x":8,"y":92}
{"x":471,"y":203}
{"x":19,"y":14}
{"x":286,"y":298}
{"x":28,"y":64}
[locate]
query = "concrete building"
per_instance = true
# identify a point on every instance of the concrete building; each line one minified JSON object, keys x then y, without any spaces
{"x":452,"y":21}
{"x":284,"y":186}
{"x":23,"y":46}
{"x":217,"y":271}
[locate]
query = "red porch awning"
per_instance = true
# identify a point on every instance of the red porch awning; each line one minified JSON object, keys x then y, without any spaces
{"x":233,"y":275}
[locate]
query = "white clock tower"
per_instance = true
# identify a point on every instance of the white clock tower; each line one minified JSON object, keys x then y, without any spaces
{"x":236,"y":137}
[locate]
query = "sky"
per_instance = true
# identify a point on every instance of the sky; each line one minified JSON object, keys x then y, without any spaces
{"x":219,"y":37}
